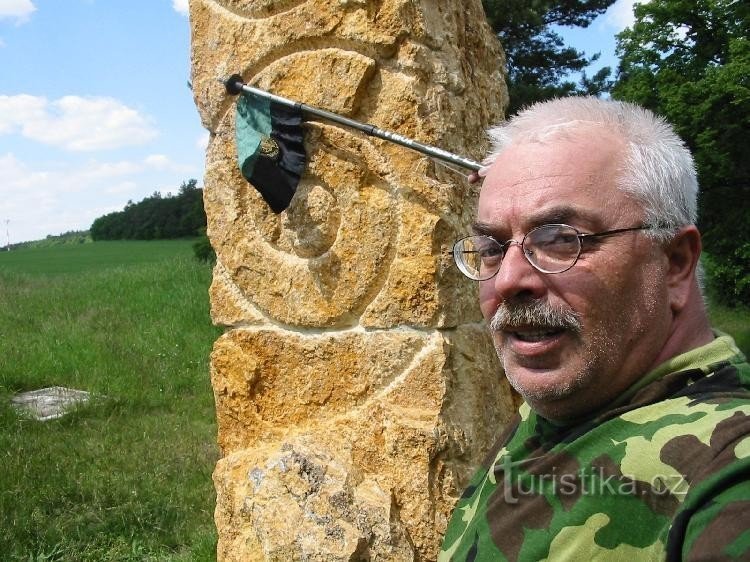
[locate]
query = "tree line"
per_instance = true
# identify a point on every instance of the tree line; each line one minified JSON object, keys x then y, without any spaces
{"x":156,"y":217}
{"x":686,"y":61}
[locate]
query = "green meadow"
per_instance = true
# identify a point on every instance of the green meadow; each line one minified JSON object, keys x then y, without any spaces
{"x":733,"y":321}
{"x":128,"y":475}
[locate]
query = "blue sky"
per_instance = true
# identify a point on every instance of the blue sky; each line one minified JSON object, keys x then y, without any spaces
{"x":95,"y":110}
{"x":599,"y":37}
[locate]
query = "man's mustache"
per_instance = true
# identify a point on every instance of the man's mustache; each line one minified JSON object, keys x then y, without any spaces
{"x":533,"y":314}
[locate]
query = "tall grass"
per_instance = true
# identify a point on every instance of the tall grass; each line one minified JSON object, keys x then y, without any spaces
{"x":126,"y":477}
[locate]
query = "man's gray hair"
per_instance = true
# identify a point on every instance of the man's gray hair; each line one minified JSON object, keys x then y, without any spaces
{"x":657,"y":170}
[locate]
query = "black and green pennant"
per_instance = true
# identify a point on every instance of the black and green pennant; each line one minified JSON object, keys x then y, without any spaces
{"x":270,"y":145}
{"x":270,"y":148}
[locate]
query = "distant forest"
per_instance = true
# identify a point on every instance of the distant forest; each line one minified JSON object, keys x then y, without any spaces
{"x":156,"y":217}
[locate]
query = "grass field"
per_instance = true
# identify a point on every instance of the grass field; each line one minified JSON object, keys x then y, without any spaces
{"x":126,"y":477}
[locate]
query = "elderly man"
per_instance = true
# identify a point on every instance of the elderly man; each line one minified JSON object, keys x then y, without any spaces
{"x":633,"y":442}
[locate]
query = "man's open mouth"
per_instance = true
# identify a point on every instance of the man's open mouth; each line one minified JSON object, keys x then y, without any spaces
{"x":535,"y":334}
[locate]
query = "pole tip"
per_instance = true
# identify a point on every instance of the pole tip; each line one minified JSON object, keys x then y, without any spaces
{"x":234,"y":84}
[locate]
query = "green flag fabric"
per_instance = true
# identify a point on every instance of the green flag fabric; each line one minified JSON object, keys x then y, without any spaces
{"x":270,"y":149}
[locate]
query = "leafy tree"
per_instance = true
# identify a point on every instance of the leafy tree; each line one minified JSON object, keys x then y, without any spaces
{"x":538,"y":59}
{"x":156,"y":217}
{"x":202,"y":249}
{"x":690,"y":62}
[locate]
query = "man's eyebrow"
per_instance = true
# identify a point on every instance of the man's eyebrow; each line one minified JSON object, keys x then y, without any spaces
{"x":554,"y":215}
{"x":483,"y":228}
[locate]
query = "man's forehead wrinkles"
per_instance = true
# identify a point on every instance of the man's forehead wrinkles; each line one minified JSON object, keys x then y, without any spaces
{"x":532,"y":175}
{"x":553,"y":214}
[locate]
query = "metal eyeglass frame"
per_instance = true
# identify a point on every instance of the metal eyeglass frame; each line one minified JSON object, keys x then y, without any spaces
{"x":505,"y":245}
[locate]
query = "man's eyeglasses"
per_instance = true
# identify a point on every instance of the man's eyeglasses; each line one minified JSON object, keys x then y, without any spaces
{"x":550,"y":248}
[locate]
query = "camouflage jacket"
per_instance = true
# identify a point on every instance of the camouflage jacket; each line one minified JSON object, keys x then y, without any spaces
{"x":663,"y":473}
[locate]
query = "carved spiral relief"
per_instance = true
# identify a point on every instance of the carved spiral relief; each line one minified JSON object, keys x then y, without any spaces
{"x":323,"y":260}
{"x":318,"y":261}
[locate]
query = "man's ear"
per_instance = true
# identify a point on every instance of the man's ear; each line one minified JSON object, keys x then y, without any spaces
{"x":682,"y":252}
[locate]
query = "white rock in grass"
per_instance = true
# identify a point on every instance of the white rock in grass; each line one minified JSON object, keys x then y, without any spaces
{"x":49,"y":403}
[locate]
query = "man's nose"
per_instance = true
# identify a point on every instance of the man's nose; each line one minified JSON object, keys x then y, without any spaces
{"x":517,"y":277}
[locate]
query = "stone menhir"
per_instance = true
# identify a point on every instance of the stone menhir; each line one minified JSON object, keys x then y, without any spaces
{"x":355,"y":386}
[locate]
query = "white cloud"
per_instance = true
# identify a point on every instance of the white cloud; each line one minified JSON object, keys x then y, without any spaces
{"x":41,"y":198}
{"x":41,"y":202}
{"x":98,"y":172}
{"x":122,"y":187}
{"x":19,"y":178}
{"x":2,"y":43}
{"x":163,"y":163}
{"x":180,"y":6}
{"x":202,"y":141}
{"x":16,"y":110}
{"x":75,"y":123}
{"x":157,"y":161}
{"x":16,"y":176}
{"x":20,"y":10}
{"x":620,"y":14}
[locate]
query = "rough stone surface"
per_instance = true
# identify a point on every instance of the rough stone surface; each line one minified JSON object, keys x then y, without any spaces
{"x":356,"y":389}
